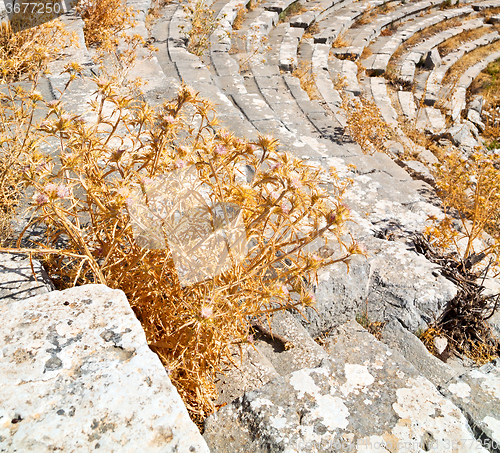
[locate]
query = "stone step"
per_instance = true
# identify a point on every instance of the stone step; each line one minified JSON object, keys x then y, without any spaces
{"x":407,"y":31}
{"x":408,"y":62}
{"x":77,"y":375}
{"x":365,"y":396}
{"x":433,"y":91}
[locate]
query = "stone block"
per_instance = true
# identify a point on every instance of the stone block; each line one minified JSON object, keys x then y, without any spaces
{"x":432,"y":59}
{"x":77,"y":375}
{"x":412,"y":349}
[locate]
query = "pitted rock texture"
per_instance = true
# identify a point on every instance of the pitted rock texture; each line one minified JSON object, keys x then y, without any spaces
{"x":366,"y":398}
{"x":19,"y":280}
{"x":77,"y":375}
{"x":477,"y":394}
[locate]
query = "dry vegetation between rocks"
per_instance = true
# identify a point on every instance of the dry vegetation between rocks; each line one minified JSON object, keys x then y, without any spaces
{"x":103,"y":200}
{"x":468,"y":60}
{"x":294,"y":9}
{"x":455,"y":42}
{"x":27,"y":52}
{"x":304,"y":73}
{"x":464,"y":323}
{"x":487,"y":84}
{"x":104,"y":19}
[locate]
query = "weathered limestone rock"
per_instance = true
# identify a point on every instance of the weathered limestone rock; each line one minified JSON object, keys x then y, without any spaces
{"x":432,"y":59}
{"x":17,"y":280}
{"x":476,"y":103}
{"x":412,"y":349}
{"x":475,"y":118}
{"x":267,"y":359}
{"x":477,"y":394}
{"x":78,"y":375}
{"x":461,"y":136}
{"x":366,"y":398}
{"x":407,"y":287}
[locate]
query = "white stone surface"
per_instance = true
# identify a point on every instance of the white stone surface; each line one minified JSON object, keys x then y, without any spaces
{"x":77,"y":375}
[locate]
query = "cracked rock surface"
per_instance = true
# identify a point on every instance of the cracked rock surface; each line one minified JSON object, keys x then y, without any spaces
{"x":77,"y":375}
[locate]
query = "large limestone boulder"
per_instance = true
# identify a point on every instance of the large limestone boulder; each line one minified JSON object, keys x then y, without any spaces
{"x":77,"y":375}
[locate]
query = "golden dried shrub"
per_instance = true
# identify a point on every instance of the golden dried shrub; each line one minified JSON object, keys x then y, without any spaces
{"x":108,"y":201}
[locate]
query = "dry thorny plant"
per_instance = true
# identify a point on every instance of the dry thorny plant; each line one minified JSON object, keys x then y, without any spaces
{"x":470,"y":188}
{"x":364,"y":121}
{"x":307,"y":79}
{"x":100,"y":172}
{"x":24,"y":53}
{"x":203,"y":23}
{"x":251,"y":48}
{"x":104,"y":19}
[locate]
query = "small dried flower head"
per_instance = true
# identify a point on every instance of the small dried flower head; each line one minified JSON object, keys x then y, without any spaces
{"x":169,"y":119}
{"x":146,"y":181}
{"x":179,"y":163}
{"x":282,"y":289}
{"x":183,"y":151}
{"x":41,"y":167}
{"x":358,"y":248}
{"x":206,"y":312}
{"x":45,"y":125}
{"x":53,"y":104}
{"x":187,"y":93}
{"x":62,"y":191}
{"x":276,"y":166}
{"x":117,"y":155}
{"x":123,"y":192}
{"x":315,"y":257}
{"x":274,"y":195}
{"x":250,"y":339}
{"x":285,"y":208}
{"x":339,"y":215}
{"x":51,"y":190}
{"x":295,"y":182}
{"x":220,"y":149}
{"x":36,"y":96}
{"x":40,"y":198}
{"x":309,"y":298}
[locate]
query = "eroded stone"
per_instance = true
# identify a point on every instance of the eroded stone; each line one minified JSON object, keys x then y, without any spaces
{"x":77,"y":375}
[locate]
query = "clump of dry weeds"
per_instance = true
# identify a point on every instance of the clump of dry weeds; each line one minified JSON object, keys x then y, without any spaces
{"x":304,"y":73}
{"x":203,"y":23}
{"x":104,"y":19}
{"x":364,"y":121}
{"x":25,"y":53}
{"x":105,"y":197}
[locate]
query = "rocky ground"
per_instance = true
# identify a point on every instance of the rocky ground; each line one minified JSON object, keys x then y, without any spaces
{"x":80,"y":377}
